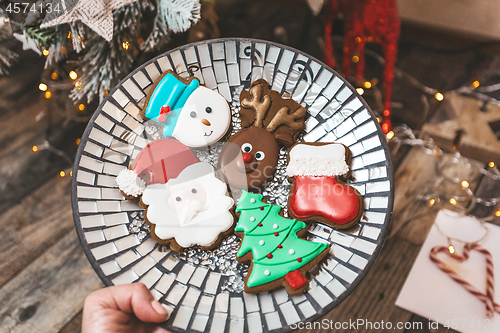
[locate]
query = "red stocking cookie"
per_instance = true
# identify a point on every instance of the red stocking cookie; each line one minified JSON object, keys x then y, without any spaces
{"x":317,"y":193}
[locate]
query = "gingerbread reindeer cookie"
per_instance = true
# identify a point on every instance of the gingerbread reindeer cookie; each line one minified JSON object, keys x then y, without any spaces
{"x":268,"y":121}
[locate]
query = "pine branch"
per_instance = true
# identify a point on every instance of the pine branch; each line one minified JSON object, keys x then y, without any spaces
{"x":104,"y":64}
{"x":42,"y":37}
{"x":79,"y":33}
{"x":58,"y":50}
{"x":7,"y":56}
{"x":172,"y":16}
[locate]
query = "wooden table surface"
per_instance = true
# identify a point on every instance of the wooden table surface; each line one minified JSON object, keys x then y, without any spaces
{"x":44,"y":274}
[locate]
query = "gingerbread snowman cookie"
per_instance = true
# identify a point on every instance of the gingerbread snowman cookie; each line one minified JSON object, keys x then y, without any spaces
{"x":186,"y":111}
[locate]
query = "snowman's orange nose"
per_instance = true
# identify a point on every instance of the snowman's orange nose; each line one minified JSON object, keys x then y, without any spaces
{"x":205,"y":122}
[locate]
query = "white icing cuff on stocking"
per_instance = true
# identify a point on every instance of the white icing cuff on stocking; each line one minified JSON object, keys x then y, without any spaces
{"x":309,"y":160}
{"x":129,"y":183}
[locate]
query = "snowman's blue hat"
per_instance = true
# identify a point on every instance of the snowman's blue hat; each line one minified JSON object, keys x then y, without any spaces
{"x":167,"y":101}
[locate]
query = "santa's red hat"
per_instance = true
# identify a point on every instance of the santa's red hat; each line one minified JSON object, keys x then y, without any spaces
{"x":156,"y":164}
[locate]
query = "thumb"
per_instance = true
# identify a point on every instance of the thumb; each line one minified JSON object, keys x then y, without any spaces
{"x":132,"y":298}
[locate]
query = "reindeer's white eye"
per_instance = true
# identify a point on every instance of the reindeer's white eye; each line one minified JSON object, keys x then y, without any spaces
{"x":246,"y":147}
{"x":259,"y":156}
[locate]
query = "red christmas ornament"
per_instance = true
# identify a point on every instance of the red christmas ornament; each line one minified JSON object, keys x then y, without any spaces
{"x":299,"y":259}
{"x":295,"y":279}
{"x":269,"y":256}
{"x":261,"y":207}
{"x":276,"y":233}
{"x":366,"y":21}
{"x":280,"y":246}
{"x":259,"y":224}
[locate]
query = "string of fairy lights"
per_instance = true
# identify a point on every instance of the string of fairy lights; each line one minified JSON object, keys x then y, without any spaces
{"x":65,"y":81}
{"x":474,"y":90}
{"x":48,"y":87}
{"x":461,"y":198}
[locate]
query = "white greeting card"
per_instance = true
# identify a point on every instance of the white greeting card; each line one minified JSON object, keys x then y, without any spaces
{"x":431,"y":293}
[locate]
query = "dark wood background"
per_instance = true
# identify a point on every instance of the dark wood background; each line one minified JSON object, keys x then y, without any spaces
{"x":44,"y":274}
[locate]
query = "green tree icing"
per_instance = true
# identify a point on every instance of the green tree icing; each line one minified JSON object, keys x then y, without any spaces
{"x":273,"y":240}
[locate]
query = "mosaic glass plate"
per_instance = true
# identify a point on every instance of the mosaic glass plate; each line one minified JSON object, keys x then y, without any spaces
{"x":203,"y":289}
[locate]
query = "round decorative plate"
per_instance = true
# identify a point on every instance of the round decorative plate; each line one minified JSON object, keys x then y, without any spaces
{"x":203,"y":290}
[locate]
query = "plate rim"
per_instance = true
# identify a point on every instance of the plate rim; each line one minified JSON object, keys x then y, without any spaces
{"x":390,"y":175}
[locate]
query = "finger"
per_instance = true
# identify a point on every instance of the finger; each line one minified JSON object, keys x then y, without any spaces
{"x":130,"y":298}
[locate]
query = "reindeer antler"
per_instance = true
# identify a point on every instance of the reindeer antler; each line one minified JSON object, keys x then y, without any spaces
{"x":295,"y":120}
{"x":259,"y":103}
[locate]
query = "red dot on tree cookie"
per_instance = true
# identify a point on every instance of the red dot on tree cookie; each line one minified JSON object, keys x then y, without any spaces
{"x":276,"y":234}
{"x":260,"y":224}
{"x":261,"y":207}
{"x":269,"y":255}
{"x":280,"y":246}
{"x":299,"y":259}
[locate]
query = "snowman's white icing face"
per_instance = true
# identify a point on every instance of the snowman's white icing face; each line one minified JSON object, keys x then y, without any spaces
{"x":204,"y":120}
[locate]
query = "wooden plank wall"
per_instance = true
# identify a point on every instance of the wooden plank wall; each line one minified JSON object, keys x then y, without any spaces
{"x":44,"y":274}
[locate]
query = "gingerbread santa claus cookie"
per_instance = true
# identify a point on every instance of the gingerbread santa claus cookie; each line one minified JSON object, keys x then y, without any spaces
{"x":186,"y":205}
{"x":192,"y":209}
{"x":159,"y":161}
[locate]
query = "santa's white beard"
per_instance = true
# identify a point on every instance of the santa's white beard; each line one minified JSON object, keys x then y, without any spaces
{"x":204,"y":226}
{"x":191,"y":211}
{"x":202,"y":220}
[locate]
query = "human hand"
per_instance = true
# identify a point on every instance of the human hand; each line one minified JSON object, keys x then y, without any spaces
{"x":123,"y":309}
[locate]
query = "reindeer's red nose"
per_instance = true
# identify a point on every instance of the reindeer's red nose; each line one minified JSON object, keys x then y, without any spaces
{"x":247,"y":157}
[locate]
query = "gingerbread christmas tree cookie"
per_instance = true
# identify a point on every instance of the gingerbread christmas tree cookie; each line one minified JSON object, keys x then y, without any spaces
{"x":272,"y":246}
